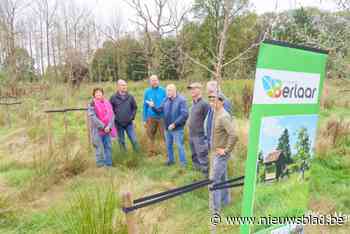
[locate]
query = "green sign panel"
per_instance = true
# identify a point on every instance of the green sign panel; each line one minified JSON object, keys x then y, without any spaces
{"x":283,"y":122}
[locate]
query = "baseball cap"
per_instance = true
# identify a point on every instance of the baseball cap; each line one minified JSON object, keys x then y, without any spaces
{"x":195,"y":85}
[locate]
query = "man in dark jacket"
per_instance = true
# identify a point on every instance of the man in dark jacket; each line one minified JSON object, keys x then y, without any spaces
{"x":175,"y":113}
{"x":198,"y":140}
{"x":124,"y":107}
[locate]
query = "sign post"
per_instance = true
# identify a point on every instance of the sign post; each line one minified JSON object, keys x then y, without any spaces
{"x":283,"y":122}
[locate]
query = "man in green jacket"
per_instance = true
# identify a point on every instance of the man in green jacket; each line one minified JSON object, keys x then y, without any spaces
{"x":223,"y":141}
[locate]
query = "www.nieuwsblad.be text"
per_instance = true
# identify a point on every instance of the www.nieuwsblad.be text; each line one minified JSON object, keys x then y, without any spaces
{"x":307,"y":219}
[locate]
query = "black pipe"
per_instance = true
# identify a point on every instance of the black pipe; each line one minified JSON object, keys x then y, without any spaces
{"x":225,"y":186}
{"x":168,"y":191}
{"x":160,"y":199}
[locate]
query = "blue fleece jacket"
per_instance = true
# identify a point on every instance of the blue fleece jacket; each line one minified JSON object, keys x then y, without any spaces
{"x":157,"y":95}
{"x":175,"y":111}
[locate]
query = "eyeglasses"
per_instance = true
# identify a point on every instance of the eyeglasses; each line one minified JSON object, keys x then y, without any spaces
{"x":211,"y":97}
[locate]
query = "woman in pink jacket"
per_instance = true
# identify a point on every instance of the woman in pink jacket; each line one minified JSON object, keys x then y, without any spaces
{"x":102,"y":127}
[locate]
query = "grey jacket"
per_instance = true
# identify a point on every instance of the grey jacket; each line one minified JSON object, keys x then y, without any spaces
{"x":96,"y":124}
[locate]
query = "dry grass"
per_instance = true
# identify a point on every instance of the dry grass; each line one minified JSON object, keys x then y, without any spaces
{"x":332,"y":135}
{"x":70,"y":162}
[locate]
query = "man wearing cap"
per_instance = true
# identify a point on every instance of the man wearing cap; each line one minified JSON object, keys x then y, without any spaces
{"x":223,"y":142}
{"x":212,"y":89}
{"x":198,"y":140}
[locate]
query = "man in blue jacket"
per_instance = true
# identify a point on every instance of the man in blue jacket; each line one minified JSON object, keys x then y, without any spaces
{"x":175,"y":113}
{"x":152,"y":120}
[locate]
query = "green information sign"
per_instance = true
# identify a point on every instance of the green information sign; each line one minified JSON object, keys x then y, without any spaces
{"x":283,"y":122}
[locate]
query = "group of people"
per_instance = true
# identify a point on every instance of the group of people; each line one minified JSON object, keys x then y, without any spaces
{"x":211,"y":128}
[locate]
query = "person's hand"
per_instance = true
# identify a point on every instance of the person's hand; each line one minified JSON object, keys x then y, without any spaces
{"x":171,"y":126}
{"x":107,"y":129}
{"x":220,"y":151}
{"x":150,"y":103}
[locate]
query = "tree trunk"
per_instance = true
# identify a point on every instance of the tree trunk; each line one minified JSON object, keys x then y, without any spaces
{"x":42,"y":48}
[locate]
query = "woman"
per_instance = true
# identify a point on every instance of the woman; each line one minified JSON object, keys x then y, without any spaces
{"x":102,"y":127}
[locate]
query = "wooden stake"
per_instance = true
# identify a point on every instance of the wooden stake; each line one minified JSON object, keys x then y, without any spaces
{"x":130,"y":217}
{"x":65,"y":134}
{"x":49,"y":135}
{"x":8,"y":115}
{"x":88,"y":132}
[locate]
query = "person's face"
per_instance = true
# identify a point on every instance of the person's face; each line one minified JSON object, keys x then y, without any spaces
{"x":219,"y":104}
{"x":195,"y":92}
{"x":154,"y":81}
{"x":98,"y":95}
{"x":171,"y":92}
{"x":123,"y":87}
{"x":212,"y":100}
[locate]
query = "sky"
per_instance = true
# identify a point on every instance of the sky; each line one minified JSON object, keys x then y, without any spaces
{"x":272,"y":128}
{"x":107,"y":10}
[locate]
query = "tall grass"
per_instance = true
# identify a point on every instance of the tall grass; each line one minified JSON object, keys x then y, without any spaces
{"x":7,"y":212}
{"x":96,"y":207}
{"x":92,"y":212}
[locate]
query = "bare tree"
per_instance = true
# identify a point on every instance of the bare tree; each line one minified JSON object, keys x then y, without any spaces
{"x":343,"y":4}
{"x":222,"y":14}
{"x":164,"y":20}
{"x":9,"y":13}
{"x":45,"y":11}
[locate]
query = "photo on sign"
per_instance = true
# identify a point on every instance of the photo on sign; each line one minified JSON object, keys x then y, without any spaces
{"x":286,"y":148}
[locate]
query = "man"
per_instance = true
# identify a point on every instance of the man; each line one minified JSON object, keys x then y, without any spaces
{"x":175,"y":113}
{"x":198,"y":140}
{"x":212,"y":89}
{"x":224,"y":140}
{"x":153,"y":121}
{"x":124,"y":108}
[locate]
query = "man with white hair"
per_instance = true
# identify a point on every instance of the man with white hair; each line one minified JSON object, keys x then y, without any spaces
{"x":213,"y":90}
{"x":175,"y":113}
{"x":124,"y":108}
{"x":153,"y":121}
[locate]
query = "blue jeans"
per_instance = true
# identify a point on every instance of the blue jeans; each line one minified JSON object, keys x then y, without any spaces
{"x":220,"y":197}
{"x":199,"y":149}
{"x":130,"y":131}
{"x":178,"y":137}
{"x":104,"y":151}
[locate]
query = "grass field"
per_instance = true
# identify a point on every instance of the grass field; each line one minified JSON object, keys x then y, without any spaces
{"x":63,"y":192}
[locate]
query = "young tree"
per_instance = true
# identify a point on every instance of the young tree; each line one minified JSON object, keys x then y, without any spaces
{"x":260,"y":167}
{"x":284,"y":146}
{"x":303,"y":155}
